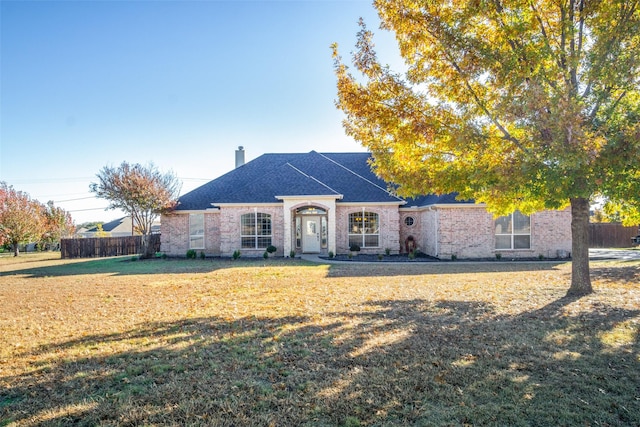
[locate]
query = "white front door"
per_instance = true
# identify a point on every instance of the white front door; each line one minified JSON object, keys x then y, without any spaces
{"x":310,"y":234}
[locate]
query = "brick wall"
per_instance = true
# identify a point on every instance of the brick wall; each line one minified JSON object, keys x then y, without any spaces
{"x":551,"y":232}
{"x":468,"y":232}
{"x":230,"y":240}
{"x":174,"y":236}
{"x":212,"y":233}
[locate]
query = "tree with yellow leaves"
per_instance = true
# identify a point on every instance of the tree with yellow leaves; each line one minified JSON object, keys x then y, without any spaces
{"x":519,"y":104}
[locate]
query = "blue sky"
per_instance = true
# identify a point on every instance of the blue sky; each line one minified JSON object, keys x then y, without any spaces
{"x":181,"y":84}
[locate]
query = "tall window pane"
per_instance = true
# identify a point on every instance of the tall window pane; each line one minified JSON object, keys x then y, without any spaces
{"x":298,"y":232}
{"x":323,"y":232}
{"x":521,"y":223}
{"x":248,"y":224}
{"x":196,"y":231}
{"x":263,"y":224}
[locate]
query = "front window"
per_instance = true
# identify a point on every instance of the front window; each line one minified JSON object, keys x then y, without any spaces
{"x":255,"y":230}
{"x":513,"y":231}
{"x":364,"y":229}
{"x":196,"y":231}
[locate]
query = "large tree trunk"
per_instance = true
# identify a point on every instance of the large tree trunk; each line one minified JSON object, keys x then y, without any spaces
{"x":580,"y":278}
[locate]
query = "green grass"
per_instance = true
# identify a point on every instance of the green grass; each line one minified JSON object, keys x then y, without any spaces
{"x":255,"y":343}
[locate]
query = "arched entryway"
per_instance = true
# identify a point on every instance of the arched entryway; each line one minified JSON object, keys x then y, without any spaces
{"x":311,"y":229}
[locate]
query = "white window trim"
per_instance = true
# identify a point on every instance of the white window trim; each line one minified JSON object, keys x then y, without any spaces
{"x":256,"y":236}
{"x":513,"y":234}
{"x":363,"y":234}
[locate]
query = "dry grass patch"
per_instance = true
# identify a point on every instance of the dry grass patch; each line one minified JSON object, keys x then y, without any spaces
{"x":283,"y":343}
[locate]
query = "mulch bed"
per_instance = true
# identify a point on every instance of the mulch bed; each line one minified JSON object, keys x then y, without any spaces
{"x":420,"y":257}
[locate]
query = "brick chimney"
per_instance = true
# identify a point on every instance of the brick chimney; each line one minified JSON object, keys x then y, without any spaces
{"x":239,"y":156}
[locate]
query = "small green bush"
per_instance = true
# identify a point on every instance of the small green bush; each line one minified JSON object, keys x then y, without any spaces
{"x":498,"y":256}
{"x":540,"y":256}
{"x":352,"y":422}
{"x":454,"y":257}
{"x":265,"y":255}
{"x":236,"y":254}
{"x":387,"y":251}
{"x":292,"y":253}
{"x":202,"y":255}
{"x":412,"y":255}
{"x":271,"y":249}
{"x":331,"y":254}
{"x":380,"y":257}
{"x":191,"y":254}
{"x":354,"y":248}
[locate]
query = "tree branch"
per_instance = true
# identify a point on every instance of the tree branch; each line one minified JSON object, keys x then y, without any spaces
{"x":506,"y":135}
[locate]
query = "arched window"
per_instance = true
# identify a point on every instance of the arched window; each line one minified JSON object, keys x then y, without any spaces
{"x":255,"y":230}
{"x":364,"y":229}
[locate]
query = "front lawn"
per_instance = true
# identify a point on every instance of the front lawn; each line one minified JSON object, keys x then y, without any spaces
{"x":289,"y":343}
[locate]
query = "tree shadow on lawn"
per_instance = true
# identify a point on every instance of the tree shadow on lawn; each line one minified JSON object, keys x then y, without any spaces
{"x":124,"y":266}
{"x":392,"y":362}
{"x":415,"y":269}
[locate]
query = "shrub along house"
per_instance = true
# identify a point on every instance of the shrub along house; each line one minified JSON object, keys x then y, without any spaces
{"x":325,"y":202}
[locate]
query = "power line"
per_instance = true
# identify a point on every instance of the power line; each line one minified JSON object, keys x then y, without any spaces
{"x":73,"y":200}
{"x":47,"y":180}
{"x":74,"y":179}
{"x":92,"y":209}
{"x":53,"y":196}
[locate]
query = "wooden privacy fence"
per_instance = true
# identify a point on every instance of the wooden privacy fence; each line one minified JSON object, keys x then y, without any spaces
{"x":610,"y":235}
{"x":96,"y":247}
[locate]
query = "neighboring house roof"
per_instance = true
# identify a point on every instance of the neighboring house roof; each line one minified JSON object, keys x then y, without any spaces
{"x":122,"y":226}
{"x":270,"y":176}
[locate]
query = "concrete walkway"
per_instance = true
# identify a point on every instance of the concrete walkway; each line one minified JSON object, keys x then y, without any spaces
{"x":614,"y":254}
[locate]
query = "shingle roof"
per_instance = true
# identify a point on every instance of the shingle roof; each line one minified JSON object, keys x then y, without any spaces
{"x":113,"y":225}
{"x":434,"y":199}
{"x":293,"y":174}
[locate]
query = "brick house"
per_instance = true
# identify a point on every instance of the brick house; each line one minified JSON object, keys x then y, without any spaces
{"x":325,"y":202}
